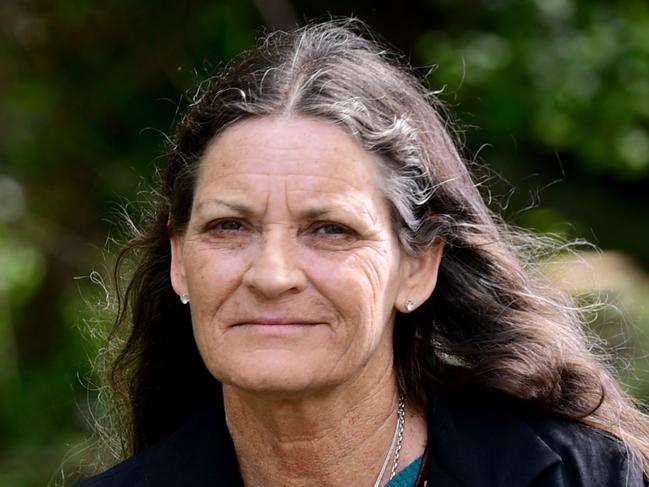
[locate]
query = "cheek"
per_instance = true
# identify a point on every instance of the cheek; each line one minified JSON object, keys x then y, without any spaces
{"x":211,"y":278}
{"x":362,"y":287}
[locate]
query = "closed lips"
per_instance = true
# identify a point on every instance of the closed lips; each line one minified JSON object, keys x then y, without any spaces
{"x":278,"y":323}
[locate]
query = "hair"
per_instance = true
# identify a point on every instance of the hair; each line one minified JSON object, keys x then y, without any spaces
{"x":493,"y":322}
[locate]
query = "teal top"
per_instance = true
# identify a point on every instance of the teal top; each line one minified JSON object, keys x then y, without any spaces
{"x":407,"y":477}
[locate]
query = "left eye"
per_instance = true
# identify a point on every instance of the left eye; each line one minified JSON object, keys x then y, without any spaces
{"x":332,"y":229}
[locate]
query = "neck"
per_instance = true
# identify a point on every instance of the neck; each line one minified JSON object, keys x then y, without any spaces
{"x":322,"y":439}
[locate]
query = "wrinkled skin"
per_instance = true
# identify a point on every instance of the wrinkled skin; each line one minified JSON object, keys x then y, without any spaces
{"x":290,"y":260}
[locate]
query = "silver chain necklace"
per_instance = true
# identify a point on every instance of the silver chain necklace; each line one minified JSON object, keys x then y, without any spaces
{"x":397,"y":440}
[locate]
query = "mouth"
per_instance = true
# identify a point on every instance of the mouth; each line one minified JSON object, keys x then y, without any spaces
{"x":277,"y":326}
{"x":275,"y":323}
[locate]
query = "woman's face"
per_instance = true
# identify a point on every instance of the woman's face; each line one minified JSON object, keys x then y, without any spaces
{"x":289,"y":259}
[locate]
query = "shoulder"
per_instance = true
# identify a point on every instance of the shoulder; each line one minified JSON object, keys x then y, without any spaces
{"x":509,"y":442}
{"x":129,"y":472}
{"x":588,"y":454}
{"x":200,"y":453}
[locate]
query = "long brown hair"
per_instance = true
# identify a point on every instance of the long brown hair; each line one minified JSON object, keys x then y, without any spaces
{"x":493,"y":322}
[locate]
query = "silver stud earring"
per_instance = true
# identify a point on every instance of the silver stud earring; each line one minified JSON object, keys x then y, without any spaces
{"x":410,"y":305}
{"x":184,"y":298}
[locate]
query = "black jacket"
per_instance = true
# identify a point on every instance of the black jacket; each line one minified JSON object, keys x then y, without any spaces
{"x":485,"y":443}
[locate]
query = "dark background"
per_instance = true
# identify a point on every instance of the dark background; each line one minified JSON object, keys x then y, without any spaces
{"x":550,"y":98}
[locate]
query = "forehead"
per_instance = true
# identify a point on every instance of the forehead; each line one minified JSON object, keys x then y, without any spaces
{"x":311,"y":150}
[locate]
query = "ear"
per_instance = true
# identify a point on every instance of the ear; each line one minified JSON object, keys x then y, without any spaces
{"x":419,"y":277}
{"x":177,"y":271}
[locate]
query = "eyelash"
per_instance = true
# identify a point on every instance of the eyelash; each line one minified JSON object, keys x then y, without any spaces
{"x":339,"y":228}
{"x":218,"y":224}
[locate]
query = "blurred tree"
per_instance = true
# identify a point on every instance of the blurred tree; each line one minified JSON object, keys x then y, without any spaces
{"x":560,"y":91}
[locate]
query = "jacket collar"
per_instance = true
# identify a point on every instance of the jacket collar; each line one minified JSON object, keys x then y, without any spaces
{"x":469,"y":445}
{"x":485,"y":444}
{"x":200,"y":453}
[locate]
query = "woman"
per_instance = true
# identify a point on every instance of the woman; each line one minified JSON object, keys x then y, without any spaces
{"x":323,"y":298}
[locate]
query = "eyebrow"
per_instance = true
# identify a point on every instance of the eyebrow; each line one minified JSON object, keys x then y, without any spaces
{"x":238,"y":207}
{"x":245,"y":210}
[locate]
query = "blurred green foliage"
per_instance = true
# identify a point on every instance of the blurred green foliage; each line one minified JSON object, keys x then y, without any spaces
{"x":558,"y":89}
{"x":576,"y":79}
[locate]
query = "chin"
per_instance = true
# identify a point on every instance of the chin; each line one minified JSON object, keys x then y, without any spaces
{"x":276,"y":374}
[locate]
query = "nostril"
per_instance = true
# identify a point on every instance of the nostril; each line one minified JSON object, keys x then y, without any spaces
{"x":274,"y":272}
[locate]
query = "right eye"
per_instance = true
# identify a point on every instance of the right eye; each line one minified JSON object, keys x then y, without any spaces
{"x":226,"y":225}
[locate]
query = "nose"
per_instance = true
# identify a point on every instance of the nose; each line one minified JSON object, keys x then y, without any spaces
{"x":275,"y":269}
